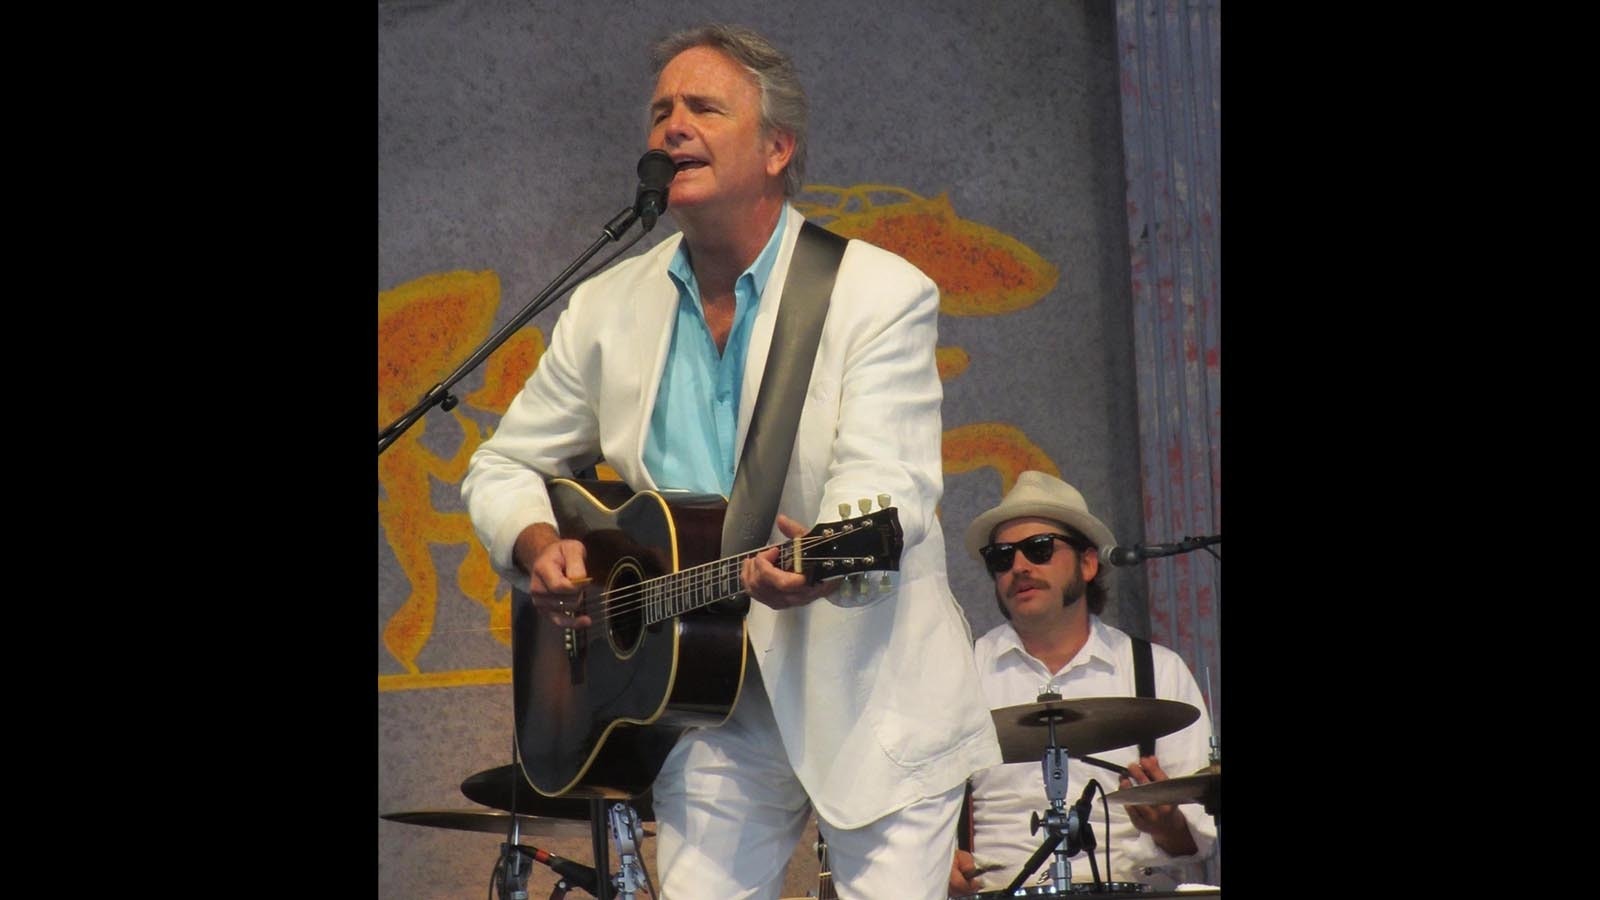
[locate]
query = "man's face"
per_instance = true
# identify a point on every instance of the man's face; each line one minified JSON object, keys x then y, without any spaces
{"x":1034,"y":592}
{"x":706,"y":114}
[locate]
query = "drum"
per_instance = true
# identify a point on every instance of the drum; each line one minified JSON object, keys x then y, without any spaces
{"x":1079,"y":891}
{"x":1039,"y":891}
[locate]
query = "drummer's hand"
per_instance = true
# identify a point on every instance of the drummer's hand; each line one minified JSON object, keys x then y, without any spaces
{"x":963,"y":875}
{"x":1162,"y":821}
{"x":555,"y":568}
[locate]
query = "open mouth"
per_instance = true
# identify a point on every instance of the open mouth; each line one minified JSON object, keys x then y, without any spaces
{"x":686,"y":164}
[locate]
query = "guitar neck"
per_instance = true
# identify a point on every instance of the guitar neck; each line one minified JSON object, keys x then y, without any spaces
{"x":824,"y":877}
{"x":700,"y":586}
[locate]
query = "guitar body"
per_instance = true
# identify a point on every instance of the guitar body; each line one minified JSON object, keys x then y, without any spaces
{"x":598,"y":709}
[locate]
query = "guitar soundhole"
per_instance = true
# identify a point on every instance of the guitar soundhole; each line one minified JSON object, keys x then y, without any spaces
{"x":624,"y":607}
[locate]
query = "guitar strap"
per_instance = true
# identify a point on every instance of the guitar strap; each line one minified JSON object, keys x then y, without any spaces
{"x":768,"y":445}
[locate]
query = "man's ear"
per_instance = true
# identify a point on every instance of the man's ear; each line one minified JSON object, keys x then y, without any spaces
{"x":780,"y":149}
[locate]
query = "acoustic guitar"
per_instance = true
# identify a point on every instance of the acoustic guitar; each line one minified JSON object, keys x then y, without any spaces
{"x":597,"y":709}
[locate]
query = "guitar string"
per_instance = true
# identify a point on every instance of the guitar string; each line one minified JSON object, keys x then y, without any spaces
{"x":682,"y":592}
{"x":696,"y":578}
{"x":696,"y":575}
{"x":700,"y":575}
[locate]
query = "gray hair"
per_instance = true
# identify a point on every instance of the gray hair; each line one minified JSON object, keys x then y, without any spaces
{"x":783,"y":101}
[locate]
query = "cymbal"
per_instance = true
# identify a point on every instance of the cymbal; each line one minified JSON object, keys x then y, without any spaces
{"x":493,"y":788}
{"x":1204,"y":786}
{"x":493,"y":821}
{"x":1086,"y":725}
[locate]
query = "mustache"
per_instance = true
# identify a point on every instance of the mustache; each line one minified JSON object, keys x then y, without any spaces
{"x":1022,"y":584}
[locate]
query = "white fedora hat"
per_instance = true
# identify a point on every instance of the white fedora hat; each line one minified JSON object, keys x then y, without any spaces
{"x":1038,"y":494}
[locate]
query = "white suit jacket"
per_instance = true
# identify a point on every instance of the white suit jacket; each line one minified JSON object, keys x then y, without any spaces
{"x":879,"y":704}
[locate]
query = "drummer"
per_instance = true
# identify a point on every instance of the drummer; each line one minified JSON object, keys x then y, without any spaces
{"x":1041,"y":545}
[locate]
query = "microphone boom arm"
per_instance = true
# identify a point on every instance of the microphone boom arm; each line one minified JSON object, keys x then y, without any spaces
{"x":439,"y":395}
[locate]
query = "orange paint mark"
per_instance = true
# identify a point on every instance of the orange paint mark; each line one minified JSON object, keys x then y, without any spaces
{"x":426,"y":328}
{"x":507,"y":369}
{"x":952,"y":361}
{"x":1004,"y":448}
{"x":980,"y":271}
{"x":459,"y":678}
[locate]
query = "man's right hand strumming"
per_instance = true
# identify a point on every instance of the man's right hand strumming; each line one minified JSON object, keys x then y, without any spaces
{"x":556,"y":574}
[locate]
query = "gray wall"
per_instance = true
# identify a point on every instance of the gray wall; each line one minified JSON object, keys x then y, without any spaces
{"x":507,"y":136}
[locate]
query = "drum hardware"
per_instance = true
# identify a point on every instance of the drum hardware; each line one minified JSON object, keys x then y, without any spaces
{"x":625,"y":830}
{"x":1087,"y":725}
{"x":1074,"y":729}
{"x":1076,"y":890}
{"x":494,"y":821}
{"x":1212,"y":799}
{"x":511,"y":870}
{"x":1067,"y":830}
{"x":1203,"y":787}
{"x":507,"y":788}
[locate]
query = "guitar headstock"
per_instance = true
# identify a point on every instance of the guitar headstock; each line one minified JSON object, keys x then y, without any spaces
{"x":852,"y":546}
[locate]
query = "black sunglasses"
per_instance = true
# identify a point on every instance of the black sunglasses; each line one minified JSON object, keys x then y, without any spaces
{"x":1038,"y":549}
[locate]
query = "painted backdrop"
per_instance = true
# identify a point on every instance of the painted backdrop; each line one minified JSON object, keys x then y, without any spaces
{"x":982,"y":141}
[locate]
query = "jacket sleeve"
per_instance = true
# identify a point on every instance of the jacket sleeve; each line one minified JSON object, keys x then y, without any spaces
{"x":551,"y":422}
{"x":889,"y":431}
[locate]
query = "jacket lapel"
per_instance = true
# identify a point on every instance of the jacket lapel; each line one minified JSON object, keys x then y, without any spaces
{"x":657,"y":309}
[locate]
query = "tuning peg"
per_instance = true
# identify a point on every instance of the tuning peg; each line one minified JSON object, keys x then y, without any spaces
{"x":883,"y":583}
{"x":865,"y":504}
{"x":883,"y":501}
{"x":844,"y":510}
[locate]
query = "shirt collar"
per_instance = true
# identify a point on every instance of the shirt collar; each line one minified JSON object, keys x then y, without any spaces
{"x":751,"y":282}
{"x":1097,"y":647}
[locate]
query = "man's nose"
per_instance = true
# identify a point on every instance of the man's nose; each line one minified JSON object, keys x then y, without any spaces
{"x":677,"y":125}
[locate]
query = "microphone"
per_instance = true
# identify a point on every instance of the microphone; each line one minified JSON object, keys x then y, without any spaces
{"x":656,"y":171}
{"x":578,"y":874}
{"x":1082,"y":810}
{"x":1085,"y":804}
{"x":1127,"y":556}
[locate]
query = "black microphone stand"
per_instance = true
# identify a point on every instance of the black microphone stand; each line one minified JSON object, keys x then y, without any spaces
{"x":597,"y":836}
{"x":439,"y":395}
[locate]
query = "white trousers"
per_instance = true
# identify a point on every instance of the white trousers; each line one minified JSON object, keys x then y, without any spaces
{"x":729,"y":811}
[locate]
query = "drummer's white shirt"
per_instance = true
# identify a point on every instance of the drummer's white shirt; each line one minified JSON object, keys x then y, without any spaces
{"x":1005,"y":796}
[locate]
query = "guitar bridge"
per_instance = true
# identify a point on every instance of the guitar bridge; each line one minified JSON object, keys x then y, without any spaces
{"x":576,"y":641}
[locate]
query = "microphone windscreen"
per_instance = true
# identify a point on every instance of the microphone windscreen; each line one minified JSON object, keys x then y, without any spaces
{"x":656,"y":169}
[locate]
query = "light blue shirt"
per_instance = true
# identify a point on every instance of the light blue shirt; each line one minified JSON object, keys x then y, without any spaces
{"x":696,"y":417}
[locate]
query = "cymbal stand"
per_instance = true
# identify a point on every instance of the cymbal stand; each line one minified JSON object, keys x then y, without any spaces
{"x":1212,"y":801}
{"x":625,"y":830}
{"x":513,"y":881}
{"x":1059,"y":821}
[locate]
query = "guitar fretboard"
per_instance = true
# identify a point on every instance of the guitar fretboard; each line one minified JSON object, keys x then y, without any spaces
{"x":673,"y":595}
